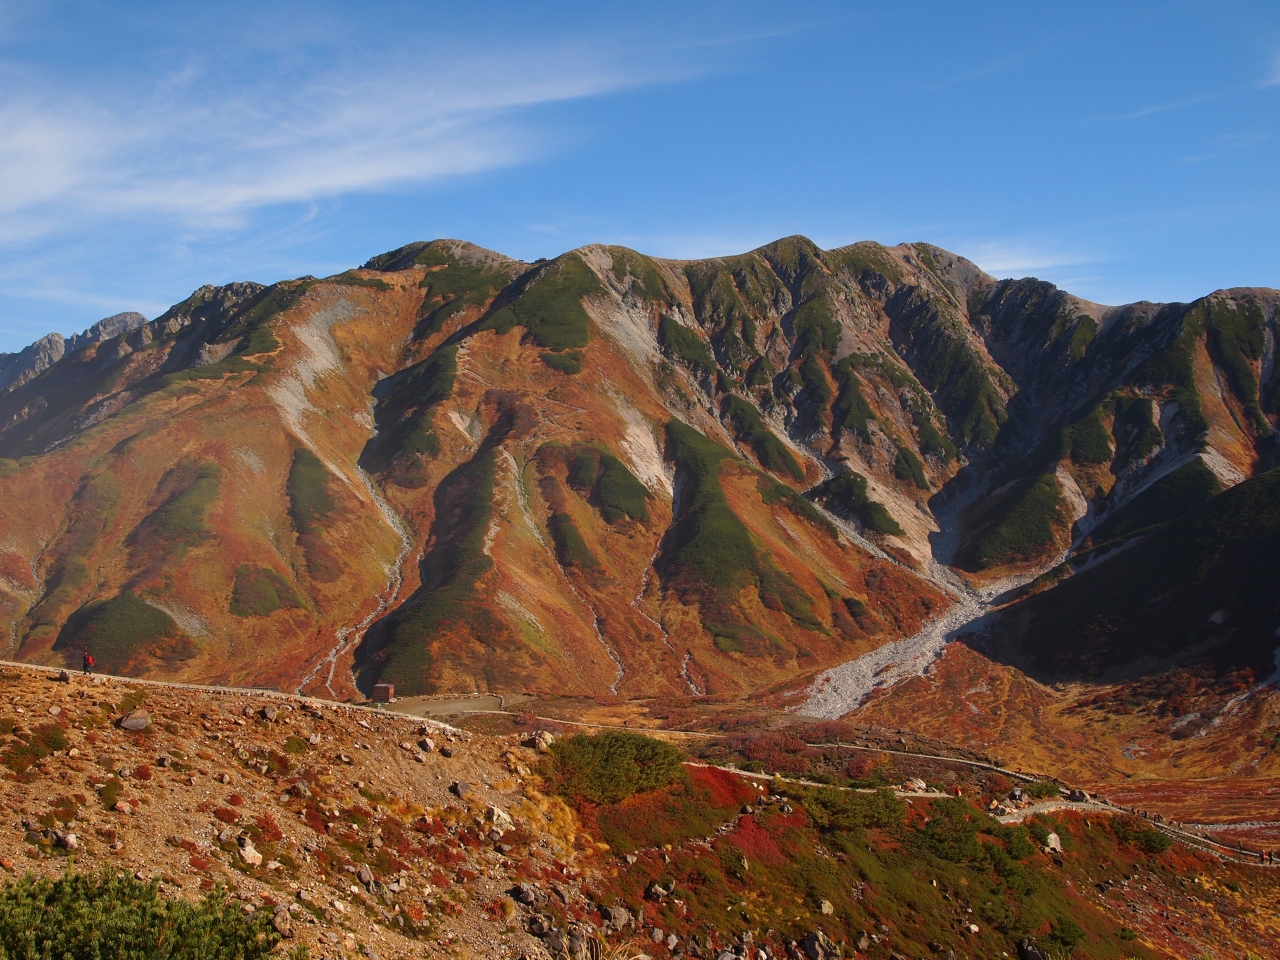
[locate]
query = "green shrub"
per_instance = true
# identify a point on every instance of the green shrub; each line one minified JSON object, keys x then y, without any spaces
{"x":349,"y":278}
{"x":32,"y":747}
{"x":181,"y":520}
{"x":932,"y":441}
{"x":261,"y":591}
{"x":907,"y":466}
{"x":610,"y":767}
{"x":549,"y":305}
{"x":105,"y":915}
{"x":1138,"y":833}
{"x":1086,"y":440}
{"x":604,"y":480}
{"x":1135,"y":426}
{"x":569,"y":362}
{"x":118,"y":630}
{"x":845,"y":494}
{"x":646,"y":282}
{"x":769,"y":450}
{"x":851,"y":412}
{"x":461,"y":284}
{"x":814,"y":378}
{"x":834,"y":810}
{"x":1235,"y":340}
{"x":1025,"y":530}
{"x":310,"y":502}
{"x":570,"y":547}
{"x":686,"y":346}
{"x":952,"y":830}
{"x":761,"y":373}
{"x":1172,"y":367}
{"x":619,"y":492}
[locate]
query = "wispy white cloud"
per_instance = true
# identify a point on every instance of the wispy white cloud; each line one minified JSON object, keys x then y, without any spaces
{"x":1227,"y":143}
{"x":1272,"y":79}
{"x":1008,"y":258}
{"x":209,"y":148}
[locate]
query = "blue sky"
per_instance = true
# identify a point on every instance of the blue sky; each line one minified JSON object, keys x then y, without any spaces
{"x":1123,"y":151}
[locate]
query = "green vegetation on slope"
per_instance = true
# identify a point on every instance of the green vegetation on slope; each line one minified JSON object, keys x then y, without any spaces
{"x":1173,"y":367}
{"x":1235,"y":335}
{"x":1203,"y":583}
{"x":769,"y":450}
{"x":451,"y":572}
{"x":310,"y":502}
{"x":686,"y":346}
{"x":454,"y":287}
{"x":771,"y":492}
{"x":1135,"y":428}
{"x":602,"y":478}
{"x":950,"y":367}
{"x":427,"y":384}
{"x":1171,"y":496}
{"x":180,"y":521}
{"x":571,"y":549}
{"x":1025,"y":529}
{"x":549,"y":305}
{"x":569,"y":362}
{"x":261,"y":591}
{"x":1086,"y":440}
{"x":851,"y":412}
{"x":310,"y":505}
{"x":113,"y":915}
{"x":714,"y":556}
{"x":646,"y":282}
{"x":845,"y":494}
{"x":907,"y":466}
{"x":821,"y":858}
{"x":121,"y":630}
{"x":610,"y":767}
{"x":349,"y":278}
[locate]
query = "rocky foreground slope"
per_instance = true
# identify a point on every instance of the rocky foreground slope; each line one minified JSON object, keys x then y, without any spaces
{"x":607,"y":473}
{"x":369,"y":834}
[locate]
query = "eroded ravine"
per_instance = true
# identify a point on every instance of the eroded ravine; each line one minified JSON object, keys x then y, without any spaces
{"x":347,"y":637}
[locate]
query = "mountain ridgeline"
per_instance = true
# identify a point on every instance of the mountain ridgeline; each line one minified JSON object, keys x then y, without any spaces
{"x":610,"y":473}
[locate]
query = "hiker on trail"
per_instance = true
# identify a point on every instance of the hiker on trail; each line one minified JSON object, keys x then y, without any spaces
{"x":88,"y":663}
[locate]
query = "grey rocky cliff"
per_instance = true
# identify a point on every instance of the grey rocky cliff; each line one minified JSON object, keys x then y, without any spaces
{"x":27,"y":364}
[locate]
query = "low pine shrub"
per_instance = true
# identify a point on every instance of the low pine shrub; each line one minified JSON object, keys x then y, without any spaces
{"x":610,"y":767}
{"x":103,"y":915}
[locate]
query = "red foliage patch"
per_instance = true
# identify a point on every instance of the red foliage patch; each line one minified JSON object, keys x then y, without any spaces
{"x":199,"y":864}
{"x":725,"y":789}
{"x":756,"y":844}
{"x":778,"y":752}
{"x":236,"y":800}
{"x":271,"y":832}
{"x":226,"y":815}
{"x":142,"y":773}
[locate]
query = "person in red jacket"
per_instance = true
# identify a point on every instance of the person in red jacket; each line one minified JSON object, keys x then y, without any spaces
{"x":88,"y":662}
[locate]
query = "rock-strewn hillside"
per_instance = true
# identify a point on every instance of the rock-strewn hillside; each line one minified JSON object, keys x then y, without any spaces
{"x":371,"y":834}
{"x":603,"y":473}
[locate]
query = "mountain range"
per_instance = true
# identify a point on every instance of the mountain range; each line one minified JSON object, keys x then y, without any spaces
{"x":612,"y":475}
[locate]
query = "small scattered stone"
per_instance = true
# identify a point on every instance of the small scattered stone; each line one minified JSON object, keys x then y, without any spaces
{"x":461,"y":789}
